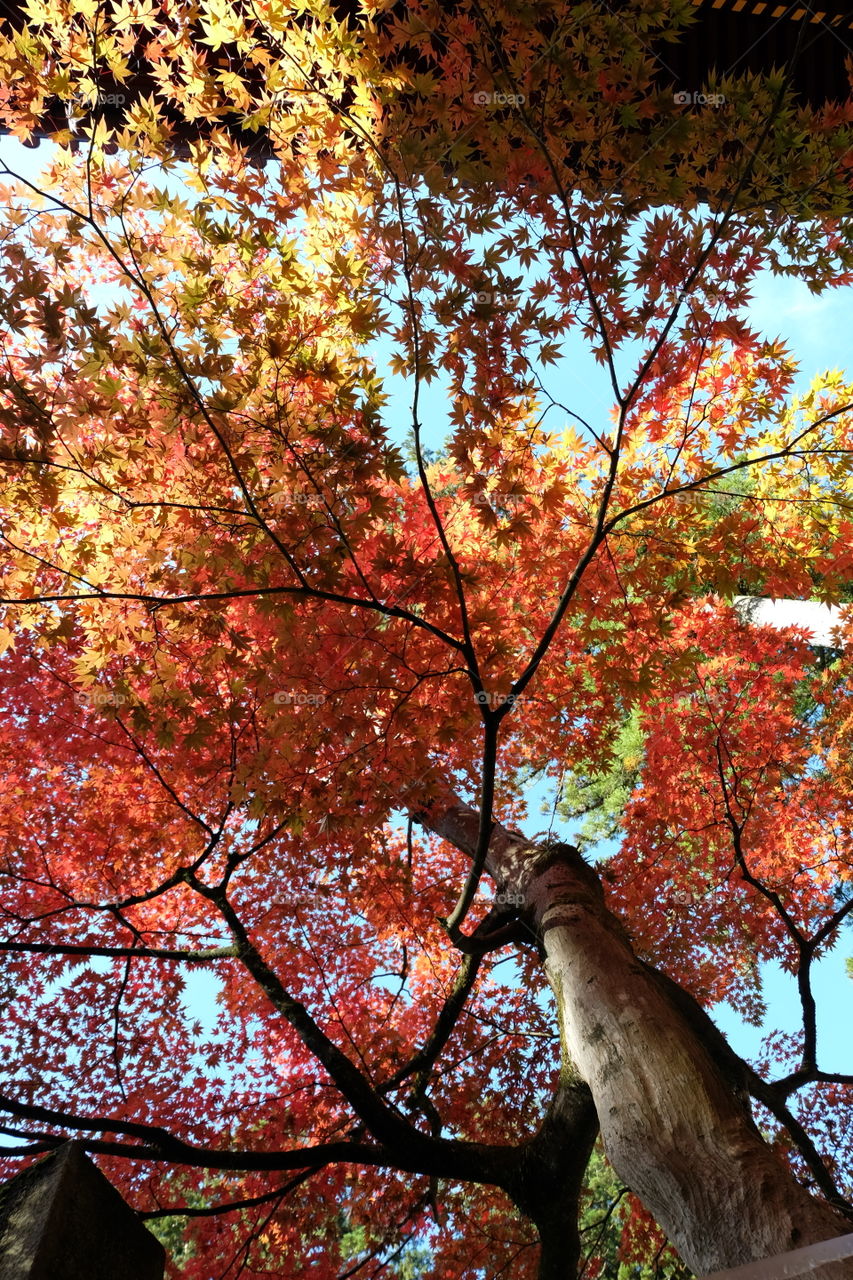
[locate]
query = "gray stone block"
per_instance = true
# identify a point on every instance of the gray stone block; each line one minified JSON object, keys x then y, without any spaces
{"x":62,"y":1219}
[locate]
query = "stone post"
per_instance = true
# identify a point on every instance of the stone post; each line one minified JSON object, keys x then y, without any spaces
{"x":62,"y":1220}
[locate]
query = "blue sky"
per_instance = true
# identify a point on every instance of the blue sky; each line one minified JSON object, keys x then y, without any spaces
{"x":819,"y":332}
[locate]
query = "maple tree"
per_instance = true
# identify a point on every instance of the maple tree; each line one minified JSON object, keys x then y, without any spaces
{"x":278,"y":666}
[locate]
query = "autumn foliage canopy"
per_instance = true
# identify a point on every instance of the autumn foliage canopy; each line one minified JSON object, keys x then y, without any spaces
{"x":304,"y":545}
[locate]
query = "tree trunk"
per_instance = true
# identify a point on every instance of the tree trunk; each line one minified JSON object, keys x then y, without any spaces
{"x":676,"y":1126}
{"x":558,"y":1258}
{"x":547,"y":1181}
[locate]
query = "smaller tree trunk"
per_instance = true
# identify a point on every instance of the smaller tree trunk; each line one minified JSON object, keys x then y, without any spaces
{"x":558,"y":1259}
{"x":547,"y":1181}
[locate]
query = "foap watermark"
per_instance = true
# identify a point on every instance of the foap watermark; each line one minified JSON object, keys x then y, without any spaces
{"x":301,"y":498}
{"x":296,"y":698}
{"x":506,"y":898}
{"x":99,"y":699}
{"x":681,"y":297}
{"x":493,"y":701}
{"x":501,"y":501}
{"x":687,"y":897}
{"x":307,"y":895}
{"x":81,"y":104}
{"x":487,"y":301}
{"x":689,"y":99}
{"x":483,"y":99}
